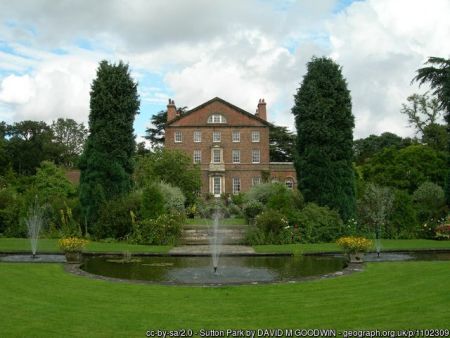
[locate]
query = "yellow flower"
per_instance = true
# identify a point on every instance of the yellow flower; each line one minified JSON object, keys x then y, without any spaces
{"x":72,"y":244}
{"x":354,"y":244}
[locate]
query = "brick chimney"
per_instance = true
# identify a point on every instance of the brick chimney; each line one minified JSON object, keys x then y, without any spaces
{"x":171,"y":110}
{"x":261,"y":111}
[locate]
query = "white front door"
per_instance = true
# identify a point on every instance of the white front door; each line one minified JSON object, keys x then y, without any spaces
{"x":217,"y":186}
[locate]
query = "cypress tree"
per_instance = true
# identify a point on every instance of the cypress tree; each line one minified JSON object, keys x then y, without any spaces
{"x":106,"y":164}
{"x":324,"y":121}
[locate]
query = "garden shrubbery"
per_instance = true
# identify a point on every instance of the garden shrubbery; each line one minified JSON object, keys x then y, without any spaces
{"x":280,"y":217}
{"x":164,"y":230}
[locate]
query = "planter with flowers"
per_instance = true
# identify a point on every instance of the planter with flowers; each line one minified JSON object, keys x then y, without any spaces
{"x":72,"y":247}
{"x":443,"y":231}
{"x":355,"y":247}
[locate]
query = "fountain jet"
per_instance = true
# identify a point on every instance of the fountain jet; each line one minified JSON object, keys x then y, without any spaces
{"x":34,"y":222}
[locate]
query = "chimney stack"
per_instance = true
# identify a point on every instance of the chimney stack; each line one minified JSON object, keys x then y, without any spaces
{"x":261,"y":111}
{"x":171,"y":110}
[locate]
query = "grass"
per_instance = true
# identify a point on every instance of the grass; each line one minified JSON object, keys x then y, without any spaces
{"x":44,"y":301}
{"x":225,"y":221}
{"x":386,"y":244}
{"x":51,"y":245}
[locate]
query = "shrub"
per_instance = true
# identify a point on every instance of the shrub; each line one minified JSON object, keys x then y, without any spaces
{"x":375,"y":207}
{"x":234,"y":210}
{"x":152,"y":201}
{"x":207,"y":208}
{"x":402,"y":222}
{"x":443,"y":230}
{"x":164,"y":230}
{"x":252,"y":209}
{"x":11,"y":206}
{"x":238,"y":199}
{"x":173,"y":197}
{"x":255,"y":236}
{"x":319,"y":224}
{"x":430,"y":201}
{"x":271,"y":221}
{"x":115,"y":220}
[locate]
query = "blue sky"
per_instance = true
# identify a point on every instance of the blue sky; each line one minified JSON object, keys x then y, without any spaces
{"x":238,"y":50}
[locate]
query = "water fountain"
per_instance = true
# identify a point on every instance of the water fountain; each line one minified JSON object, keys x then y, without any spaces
{"x":34,"y":222}
{"x":378,"y":241}
{"x":215,"y":240}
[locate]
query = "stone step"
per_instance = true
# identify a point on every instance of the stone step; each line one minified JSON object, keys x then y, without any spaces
{"x":205,"y":236}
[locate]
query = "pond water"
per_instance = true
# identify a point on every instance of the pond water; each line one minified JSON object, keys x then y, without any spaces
{"x":234,"y":269}
{"x":199,"y":270}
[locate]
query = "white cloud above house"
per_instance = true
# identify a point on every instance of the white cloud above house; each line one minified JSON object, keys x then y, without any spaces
{"x":192,"y":51}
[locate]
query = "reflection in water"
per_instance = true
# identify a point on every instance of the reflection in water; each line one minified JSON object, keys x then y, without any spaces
{"x":198,"y":270}
{"x":235,"y":269}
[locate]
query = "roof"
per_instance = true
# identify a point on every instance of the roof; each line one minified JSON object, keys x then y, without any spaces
{"x":240,"y":110}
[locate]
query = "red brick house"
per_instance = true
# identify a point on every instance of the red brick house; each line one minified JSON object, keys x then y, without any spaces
{"x":230,"y":144}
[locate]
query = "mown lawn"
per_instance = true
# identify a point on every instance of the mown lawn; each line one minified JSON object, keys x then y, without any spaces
{"x":51,"y":245}
{"x":42,"y":300}
{"x":386,"y":244}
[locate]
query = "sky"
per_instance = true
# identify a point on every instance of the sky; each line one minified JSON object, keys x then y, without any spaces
{"x":241,"y":51}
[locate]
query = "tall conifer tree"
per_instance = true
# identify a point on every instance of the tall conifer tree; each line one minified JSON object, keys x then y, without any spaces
{"x":324,"y":121}
{"x":106,"y":163}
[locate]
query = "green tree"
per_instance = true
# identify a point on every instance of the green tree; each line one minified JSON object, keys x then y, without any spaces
{"x":170,"y":166}
{"x":52,"y":183}
{"x":436,"y":136}
{"x":374,"y":208}
{"x":71,"y":136}
{"x":422,"y":111}
{"x":437,"y":75}
{"x":406,"y":168}
{"x":430,"y":202}
{"x":156,"y":132}
{"x":4,"y":159}
{"x":29,"y":143}
{"x":107,"y":161}
{"x":365,"y":148}
{"x":281,"y":144}
{"x":324,"y":121}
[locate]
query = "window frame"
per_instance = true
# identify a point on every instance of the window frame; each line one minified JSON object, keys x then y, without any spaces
{"x":289,"y":182}
{"x":216,"y":118}
{"x":199,"y":157}
{"x":180,"y":134}
{"x":197,"y":136}
{"x":236,"y":185}
{"x":238,"y":133}
{"x":238,"y":153}
{"x":256,"y":180}
{"x":256,"y":151}
{"x":256,"y":139}
{"x":219,"y":138}
{"x":214,"y":156}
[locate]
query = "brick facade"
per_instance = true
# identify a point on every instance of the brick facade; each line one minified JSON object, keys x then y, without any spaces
{"x":227,"y":165}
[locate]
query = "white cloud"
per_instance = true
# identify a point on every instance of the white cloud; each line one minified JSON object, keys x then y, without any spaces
{"x":58,"y":87}
{"x":238,"y":50}
{"x":381,"y":44}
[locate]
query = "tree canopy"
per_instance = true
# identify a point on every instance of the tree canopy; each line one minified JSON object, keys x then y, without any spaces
{"x":324,"y":121}
{"x":367,"y":147}
{"x":406,"y":168}
{"x":281,"y":144}
{"x":437,"y":75}
{"x":156,"y":132}
{"x":170,"y":166}
{"x":107,"y":161}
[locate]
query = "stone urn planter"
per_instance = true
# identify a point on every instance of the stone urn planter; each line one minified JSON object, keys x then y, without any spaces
{"x":357,"y":257}
{"x":73,"y":256}
{"x":72,"y":247}
{"x":354,"y":247}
